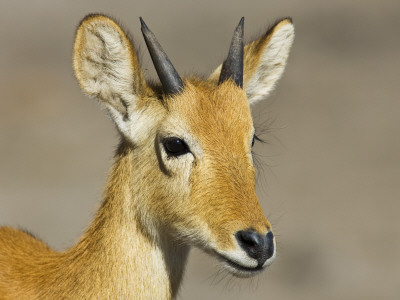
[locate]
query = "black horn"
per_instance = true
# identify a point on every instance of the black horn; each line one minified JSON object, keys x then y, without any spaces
{"x":233,"y":65}
{"x":169,"y":77}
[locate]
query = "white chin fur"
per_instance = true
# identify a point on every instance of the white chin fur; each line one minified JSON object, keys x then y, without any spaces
{"x":240,"y":264}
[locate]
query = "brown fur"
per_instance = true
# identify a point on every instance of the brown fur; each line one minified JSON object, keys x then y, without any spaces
{"x":154,"y":207}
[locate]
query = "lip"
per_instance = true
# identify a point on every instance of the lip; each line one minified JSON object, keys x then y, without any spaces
{"x":239,"y":269}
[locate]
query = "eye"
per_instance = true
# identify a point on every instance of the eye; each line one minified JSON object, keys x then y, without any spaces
{"x":175,"y":146}
{"x":255,"y":138}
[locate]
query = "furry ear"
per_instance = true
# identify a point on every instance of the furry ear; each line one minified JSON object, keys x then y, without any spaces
{"x":265,"y":60}
{"x":107,"y":67}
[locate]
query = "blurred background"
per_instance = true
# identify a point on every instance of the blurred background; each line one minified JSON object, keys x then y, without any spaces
{"x":330,"y":170}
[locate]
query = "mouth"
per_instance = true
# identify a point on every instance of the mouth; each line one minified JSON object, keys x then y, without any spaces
{"x":237,"y":269}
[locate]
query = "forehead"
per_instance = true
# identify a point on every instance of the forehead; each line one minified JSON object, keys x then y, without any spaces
{"x":213,"y":112}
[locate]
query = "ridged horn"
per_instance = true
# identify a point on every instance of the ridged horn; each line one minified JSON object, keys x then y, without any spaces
{"x":169,"y":77}
{"x":233,"y":65}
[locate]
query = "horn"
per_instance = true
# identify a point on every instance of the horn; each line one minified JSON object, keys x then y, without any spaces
{"x":233,"y":65}
{"x":169,"y":77}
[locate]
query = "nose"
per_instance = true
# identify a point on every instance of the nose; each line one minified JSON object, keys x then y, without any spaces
{"x":257,"y":246}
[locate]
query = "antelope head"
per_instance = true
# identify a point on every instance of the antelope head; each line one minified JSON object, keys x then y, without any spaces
{"x":188,"y":141}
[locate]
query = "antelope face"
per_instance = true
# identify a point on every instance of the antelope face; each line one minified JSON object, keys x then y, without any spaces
{"x":192,"y":142}
{"x":205,"y":144}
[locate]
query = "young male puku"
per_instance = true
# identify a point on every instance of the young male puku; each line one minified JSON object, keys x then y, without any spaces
{"x":183,"y":174}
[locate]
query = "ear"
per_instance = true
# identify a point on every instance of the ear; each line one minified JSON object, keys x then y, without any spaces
{"x":264,"y":60}
{"x":107,"y":68}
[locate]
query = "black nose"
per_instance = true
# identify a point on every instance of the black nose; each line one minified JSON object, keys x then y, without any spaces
{"x":257,"y":246}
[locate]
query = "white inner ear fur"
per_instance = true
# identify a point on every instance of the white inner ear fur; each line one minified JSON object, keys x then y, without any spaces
{"x":104,"y":69}
{"x":272,"y":63}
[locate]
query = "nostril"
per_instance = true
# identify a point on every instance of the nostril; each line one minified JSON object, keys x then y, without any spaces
{"x":252,"y":243}
{"x":257,"y":246}
{"x":249,"y":239}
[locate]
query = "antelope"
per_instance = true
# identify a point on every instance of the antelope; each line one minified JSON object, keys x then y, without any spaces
{"x":183,"y":173}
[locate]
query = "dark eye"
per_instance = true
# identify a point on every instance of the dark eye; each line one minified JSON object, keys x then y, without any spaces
{"x":175,"y":146}
{"x":255,"y":138}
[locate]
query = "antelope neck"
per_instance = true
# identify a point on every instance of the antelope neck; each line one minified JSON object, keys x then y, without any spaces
{"x":118,"y":256}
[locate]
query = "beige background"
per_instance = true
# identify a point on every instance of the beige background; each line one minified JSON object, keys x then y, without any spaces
{"x":331,"y":168}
